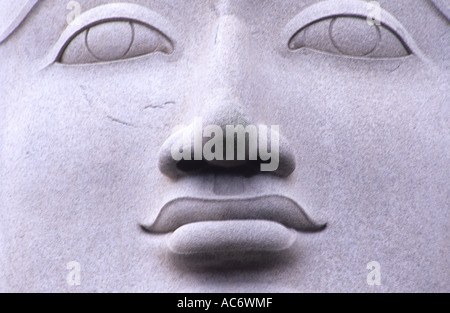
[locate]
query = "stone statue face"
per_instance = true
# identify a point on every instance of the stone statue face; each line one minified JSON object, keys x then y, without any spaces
{"x":88,"y":111}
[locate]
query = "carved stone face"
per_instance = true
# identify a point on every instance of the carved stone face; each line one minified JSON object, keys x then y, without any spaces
{"x":88,"y":112}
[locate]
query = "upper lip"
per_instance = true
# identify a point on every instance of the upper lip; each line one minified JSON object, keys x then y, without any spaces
{"x":277,"y":208}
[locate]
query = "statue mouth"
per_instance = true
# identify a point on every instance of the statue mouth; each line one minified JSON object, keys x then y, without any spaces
{"x":276,"y":208}
{"x":231,"y":226}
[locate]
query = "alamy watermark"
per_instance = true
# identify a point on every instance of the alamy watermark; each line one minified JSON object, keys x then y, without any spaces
{"x":374,"y":276}
{"x":374,"y":15}
{"x":74,"y":276}
{"x":75,"y":11}
{"x":231,"y":143}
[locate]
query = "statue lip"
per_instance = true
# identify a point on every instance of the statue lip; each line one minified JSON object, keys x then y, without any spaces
{"x":276,"y":208}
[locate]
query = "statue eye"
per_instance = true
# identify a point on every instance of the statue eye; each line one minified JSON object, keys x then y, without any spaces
{"x":114,"y":40}
{"x":350,"y":36}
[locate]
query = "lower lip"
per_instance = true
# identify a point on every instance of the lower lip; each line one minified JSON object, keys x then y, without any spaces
{"x":230,"y":239}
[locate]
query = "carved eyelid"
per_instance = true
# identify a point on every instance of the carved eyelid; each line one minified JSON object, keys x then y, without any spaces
{"x":336,"y":8}
{"x":107,"y":13}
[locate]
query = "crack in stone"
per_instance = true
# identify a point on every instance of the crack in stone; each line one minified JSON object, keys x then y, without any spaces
{"x":120,"y":121}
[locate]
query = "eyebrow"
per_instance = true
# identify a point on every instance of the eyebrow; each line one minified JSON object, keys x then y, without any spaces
{"x":18,"y":14}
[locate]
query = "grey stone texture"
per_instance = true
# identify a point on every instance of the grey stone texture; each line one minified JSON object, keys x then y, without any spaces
{"x":91,"y":102}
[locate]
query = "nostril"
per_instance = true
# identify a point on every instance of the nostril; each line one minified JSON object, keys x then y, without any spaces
{"x":247,"y":168}
{"x":227,"y":163}
{"x":191,"y":166}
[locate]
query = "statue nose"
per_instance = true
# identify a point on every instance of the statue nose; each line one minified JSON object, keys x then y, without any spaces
{"x":233,"y":149}
{"x":227,"y":139}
